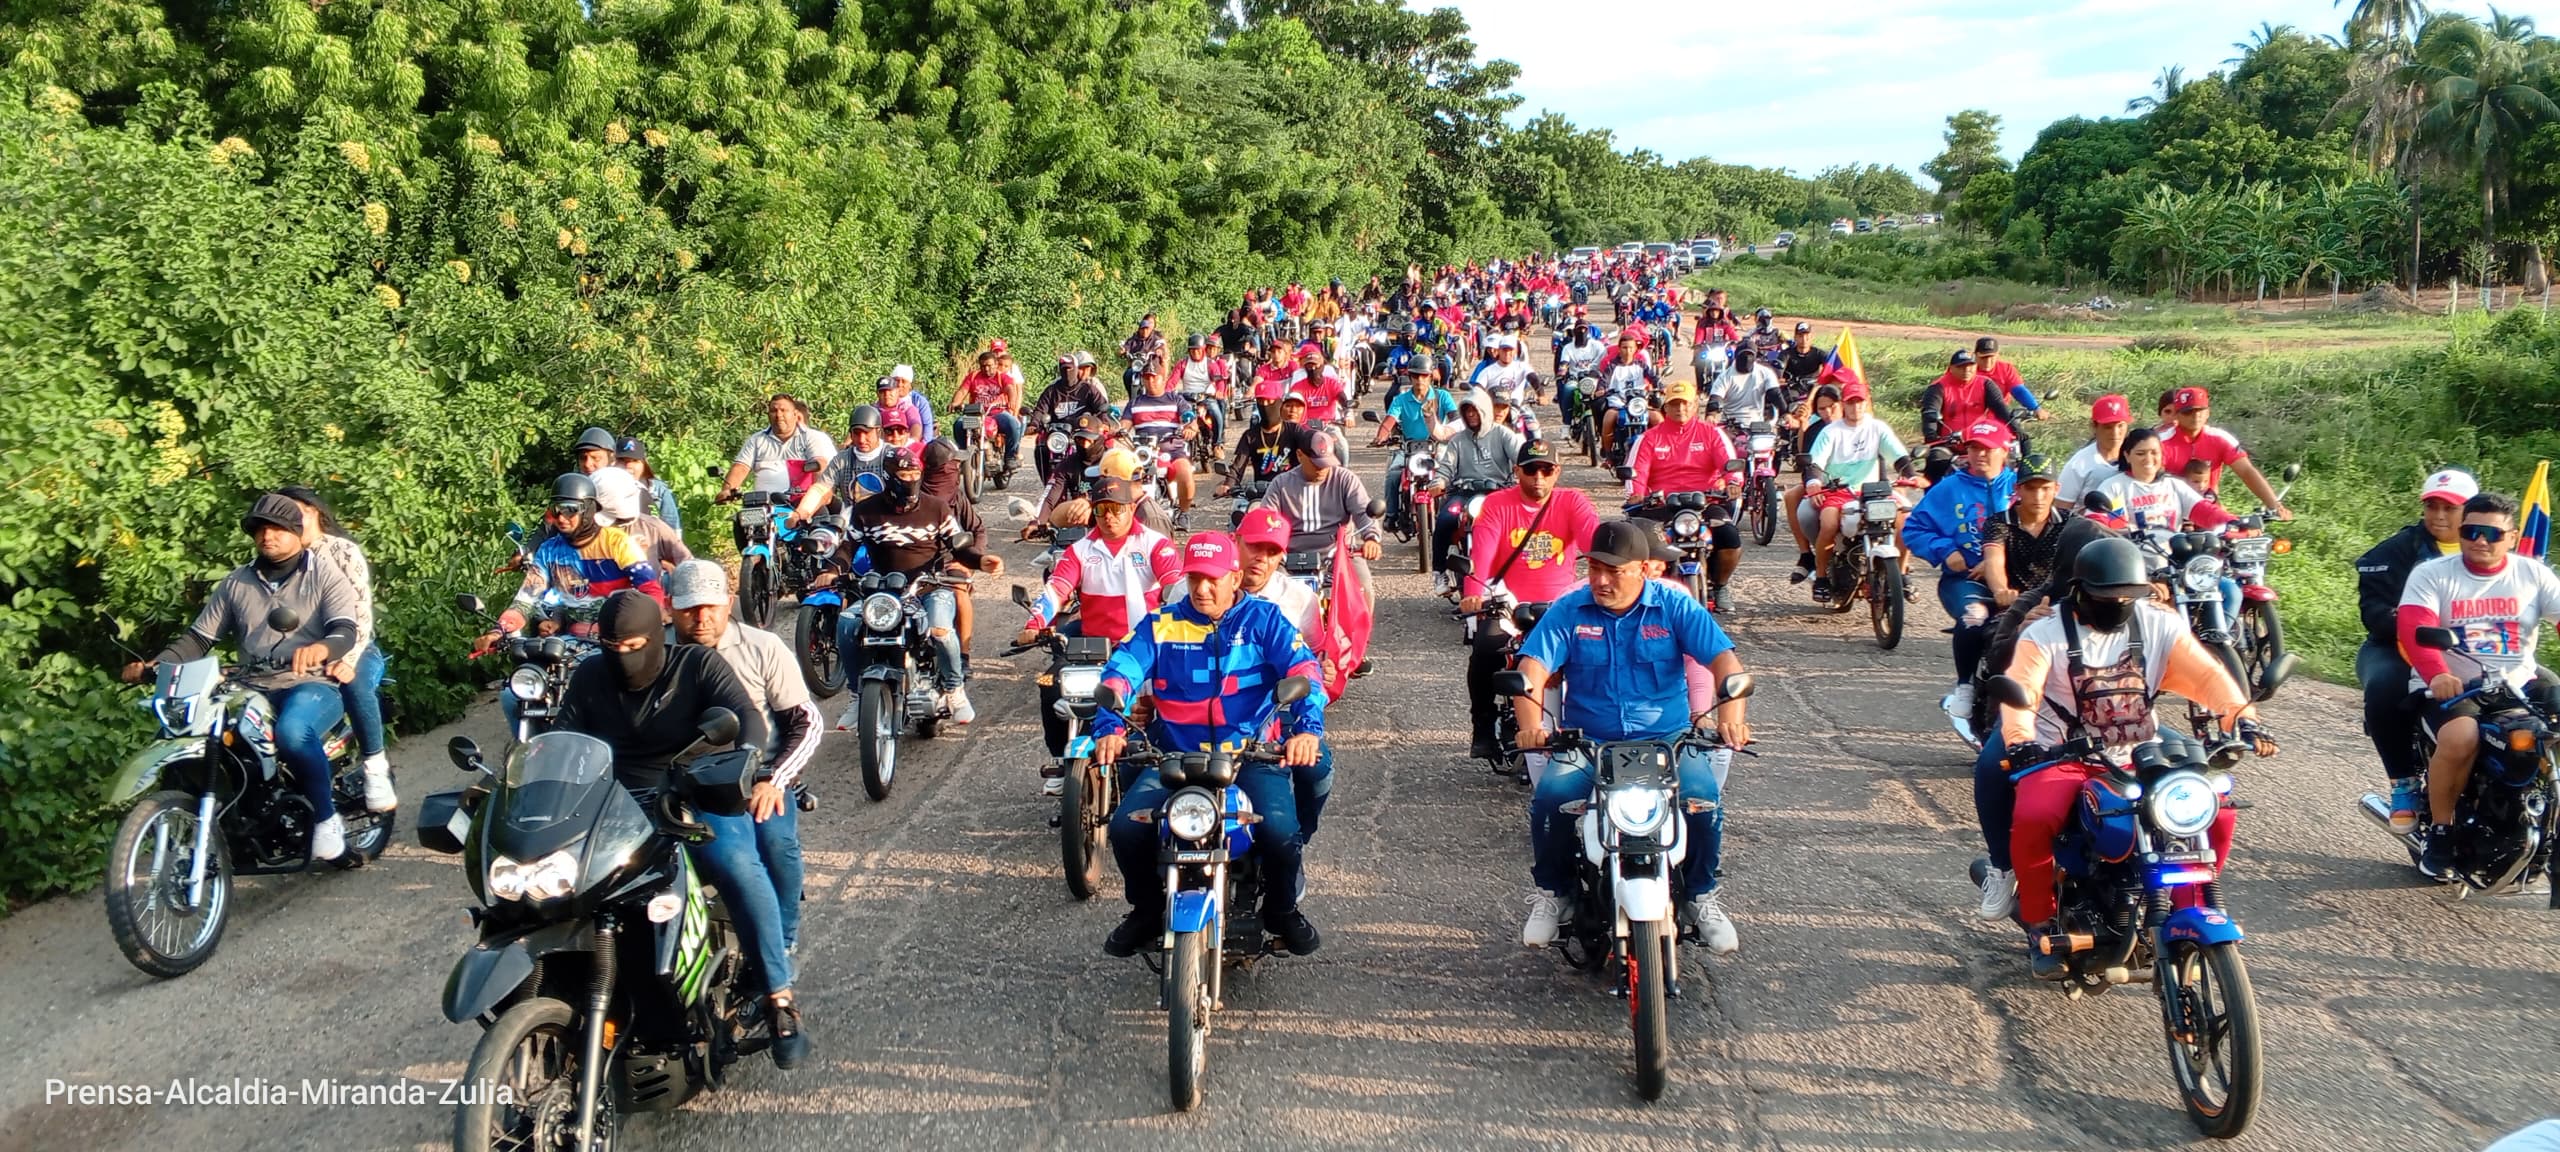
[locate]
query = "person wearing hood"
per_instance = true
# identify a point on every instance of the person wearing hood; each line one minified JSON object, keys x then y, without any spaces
{"x":1479,"y":459}
{"x":917,"y":535}
{"x":1946,"y":529}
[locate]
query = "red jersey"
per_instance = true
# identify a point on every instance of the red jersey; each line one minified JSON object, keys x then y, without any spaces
{"x":1685,"y":457}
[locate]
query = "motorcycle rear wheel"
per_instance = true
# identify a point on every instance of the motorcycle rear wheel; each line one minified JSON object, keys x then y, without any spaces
{"x":813,"y":645}
{"x":530,"y":1056}
{"x":1647,"y":1011}
{"x":755,"y":591}
{"x":973,"y":479}
{"x":1885,"y":603}
{"x":1764,"y":518}
{"x":1082,"y":817}
{"x":1186,"y":1020}
{"x":366,"y":846}
{"x":145,"y":871}
{"x":876,"y":722}
{"x":2220,"y":1068}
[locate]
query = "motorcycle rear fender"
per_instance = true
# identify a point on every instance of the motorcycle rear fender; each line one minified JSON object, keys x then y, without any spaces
{"x":1192,"y":911}
{"x":498,"y":965}
{"x":2259,"y":594}
{"x":141,"y":772}
{"x":823,"y":598}
{"x":2200,"y":925}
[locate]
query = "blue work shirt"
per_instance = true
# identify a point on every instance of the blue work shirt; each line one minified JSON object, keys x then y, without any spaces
{"x":1415,"y":417}
{"x":1626,"y":681}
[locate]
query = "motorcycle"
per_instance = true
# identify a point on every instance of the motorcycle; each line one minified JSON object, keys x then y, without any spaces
{"x":211,"y":801}
{"x":981,"y":447}
{"x":894,"y":667}
{"x":543,"y":665}
{"x":813,"y":635}
{"x":1213,"y":886}
{"x":1513,"y":621}
{"x":1413,"y":484}
{"x":1581,"y":414}
{"x":2258,"y":636}
{"x":1467,"y":501}
{"x":1056,"y":443}
{"x":1693,"y":514}
{"x":605,"y":978}
{"x":2139,"y":904}
{"x":1760,"y":506}
{"x":1091,"y":792}
{"x":1866,"y":561}
{"x":1633,"y":839}
{"x":2508,"y":816}
{"x":777,"y":560}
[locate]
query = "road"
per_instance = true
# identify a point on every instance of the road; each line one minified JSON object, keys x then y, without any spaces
{"x":958,"y":998}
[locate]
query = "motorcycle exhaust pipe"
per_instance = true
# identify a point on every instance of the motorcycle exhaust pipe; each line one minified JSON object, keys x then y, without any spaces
{"x":2379,"y":810}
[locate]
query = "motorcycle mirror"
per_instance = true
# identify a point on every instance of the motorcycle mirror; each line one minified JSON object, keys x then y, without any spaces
{"x":1109,"y":698}
{"x":1291,"y":690}
{"x":1218,"y":466}
{"x":437,"y":819}
{"x":2293,"y":472}
{"x":465,"y":754}
{"x":2440,"y":639}
{"x":1377,"y":508}
{"x":1626,"y":472}
{"x":1369,"y":415}
{"x":1460,"y":565}
{"x":716,"y":472}
{"x":1510,"y":683}
{"x":1737,"y":686}
{"x":2011,"y":693}
{"x":719,"y":726}
{"x":1021,"y":596}
{"x":471,"y":604}
{"x":284,"y":619}
{"x":2277,"y":673}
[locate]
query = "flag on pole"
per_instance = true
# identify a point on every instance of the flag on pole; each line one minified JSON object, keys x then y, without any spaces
{"x":1843,"y":367}
{"x":2535,"y":539}
{"x":1347,"y":618}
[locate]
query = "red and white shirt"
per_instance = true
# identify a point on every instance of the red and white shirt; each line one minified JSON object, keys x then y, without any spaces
{"x":2212,"y":445}
{"x":2494,"y":616}
{"x":1117,"y":581}
{"x":2158,"y":508}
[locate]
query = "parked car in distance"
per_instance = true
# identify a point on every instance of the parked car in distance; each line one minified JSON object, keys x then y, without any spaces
{"x":1786,"y":240}
{"x":1704,"y":252}
{"x":1583,"y":255}
{"x":1888,"y":224}
{"x":1840,"y":228}
{"x":1866,"y":225}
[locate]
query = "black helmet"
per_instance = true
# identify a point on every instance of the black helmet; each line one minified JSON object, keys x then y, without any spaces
{"x":1198,"y":340}
{"x":865,"y":416}
{"x":1764,"y":315}
{"x":596,"y":438}
{"x":2111,"y":569}
{"x":574,"y":486}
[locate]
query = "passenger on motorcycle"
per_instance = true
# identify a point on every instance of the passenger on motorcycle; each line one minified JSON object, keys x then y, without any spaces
{"x":1319,"y":496}
{"x":755,"y":859}
{"x":1477,"y":458}
{"x":359,"y":676}
{"x":1960,"y":399}
{"x":655,"y":496}
{"x":1210,"y":661}
{"x":1686,"y":454}
{"x":1000,"y":394}
{"x":898,"y":396}
{"x":1158,"y":417}
{"x":295,"y":665}
{"x":2157,"y":505}
{"x":2110,"y":421}
{"x":2495,"y":603}
{"x":1067,"y":502}
{"x":1202,"y":378}
{"x":1144,"y":351}
{"x":1764,"y":340}
{"x":1527,"y":539}
{"x":2382,"y":573}
{"x":1805,"y":424}
{"x":1423,"y":411}
{"x":619,"y":503}
{"x":1266,"y":449}
{"x":1947,"y":529}
{"x":1621,"y":639}
{"x":1271,"y":378}
{"x":2096,"y":665}
{"x":1625,"y":373}
{"x":1849,"y":452}
{"x":1115,"y":575}
{"x":907,"y":531}
{"x":1503,"y":375}
{"x":1803,"y":360}
{"x":2192,"y":436}
{"x":1263,"y":549}
{"x":863,"y":455}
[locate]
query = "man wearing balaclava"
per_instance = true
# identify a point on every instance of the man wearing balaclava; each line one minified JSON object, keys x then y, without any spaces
{"x":646,"y":697}
{"x":909,"y":532}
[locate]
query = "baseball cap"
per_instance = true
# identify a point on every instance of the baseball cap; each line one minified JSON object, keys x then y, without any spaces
{"x":1986,"y":345}
{"x":2453,"y":486}
{"x":632,"y":449}
{"x":1990,"y":432}
{"x":2037,"y":466}
{"x":911,"y":456}
{"x":1618,"y":543}
{"x":1294,"y":398}
{"x":1115,"y":490}
{"x":899,"y":417}
{"x":1535,"y":452}
{"x":1679,"y":390}
{"x":1801,"y":326}
{"x":595,"y":438}
{"x":1961,"y":357}
{"x":1653,"y":534}
{"x":996,"y":345}
{"x":1310,"y":347}
{"x":904,"y":372}
{"x":1318,"y":444}
{"x":2190,"y":399}
{"x":1855,"y":390}
{"x":695,"y":583}
{"x":273,"y":508}
{"x":2111,"y":408}
{"x":1209,"y":554}
{"x":1265,"y":526}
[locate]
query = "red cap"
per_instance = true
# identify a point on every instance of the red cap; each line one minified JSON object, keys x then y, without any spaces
{"x":1209,"y":554}
{"x":1854,"y":390}
{"x":1265,"y":526}
{"x":911,"y":456}
{"x":1310,"y":347}
{"x":996,"y":345}
{"x":2111,"y":408}
{"x":1990,"y":432}
{"x":2190,"y":399}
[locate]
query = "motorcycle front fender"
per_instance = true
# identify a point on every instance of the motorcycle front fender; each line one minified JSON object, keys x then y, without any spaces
{"x":498,"y":965}
{"x":2203,"y":926}
{"x":823,"y":598}
{"x":1191,"y":911}
{"x":1080,"y":748}
{"x":1883,"y":549}
{"x":141,"y":772}
{"x":1643,"y":897}
{"x":883,"y":670}
{"x":2259,"y":594}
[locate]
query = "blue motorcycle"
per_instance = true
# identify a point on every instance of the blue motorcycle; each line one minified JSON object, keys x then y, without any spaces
{"x":1213,"y":885}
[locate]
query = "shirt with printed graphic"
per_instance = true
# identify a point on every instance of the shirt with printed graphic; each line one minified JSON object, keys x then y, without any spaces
{"x":2495,"y":617}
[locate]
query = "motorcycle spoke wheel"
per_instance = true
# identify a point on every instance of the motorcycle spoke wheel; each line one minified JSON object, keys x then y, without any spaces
{"x":755,"y":591}
{"x":146,"y":893}
{"x":2211,"y":1019}
{"x":813,"y":643}
{"x":525,"y":1075}
{"x":2262,"y":638}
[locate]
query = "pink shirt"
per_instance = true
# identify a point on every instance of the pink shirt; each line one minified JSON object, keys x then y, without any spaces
{"x":1324,"y":395}
{"x":1544,"y":570}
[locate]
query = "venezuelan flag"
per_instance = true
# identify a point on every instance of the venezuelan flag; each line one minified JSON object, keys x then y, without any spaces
{"x":2535,"y":540}
{"x":1843,"y":367}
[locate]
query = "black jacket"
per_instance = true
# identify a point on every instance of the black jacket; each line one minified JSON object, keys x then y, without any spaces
{"x":2380,"y":576}
{"x":648,"y":729}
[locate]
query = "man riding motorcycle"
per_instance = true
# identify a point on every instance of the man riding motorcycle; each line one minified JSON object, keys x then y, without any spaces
{"x":1478,"y":457}
{"x":783,"y":457}
{"x":1202,"y":378}
{"x":1526,"y":539}
{"x":1578,"y":354}
{"x":1115,"y":575}
{"x":864,"y":454}
{"x":909,"y":532}
{"x":1622,"y":639}
{"x":1318,"y":496}
{"x":2382,"y":573}
{"x":1423,"y":411}
{"x":1626,"y":373}
{"x":1849,"y":452}
{"x":1946,"y":529}
{"x":1746,"y":390}
{"x":1210,"y":661}
{"x":1686,"y":454}
{"x":1158,"y":417}
{"x":1960,"y":399}
{"x":1803,"y":360}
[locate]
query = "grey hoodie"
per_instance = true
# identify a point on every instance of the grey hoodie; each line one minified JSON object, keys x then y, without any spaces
{"x":1481,"y":460}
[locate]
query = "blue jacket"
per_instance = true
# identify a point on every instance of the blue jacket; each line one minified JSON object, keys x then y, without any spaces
{"x":1212,"y":680}
{"x":1627,"y":682}
{"x":1950,"y":518}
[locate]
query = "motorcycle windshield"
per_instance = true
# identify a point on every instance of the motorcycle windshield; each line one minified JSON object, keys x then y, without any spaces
{"x":556,"y":778}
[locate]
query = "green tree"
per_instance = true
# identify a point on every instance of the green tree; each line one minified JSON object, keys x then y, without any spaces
{"x":1985,"y":203}
{"x":1973,"y":148}
{"x":2483,"y":99}
{"x":2164,"y":88}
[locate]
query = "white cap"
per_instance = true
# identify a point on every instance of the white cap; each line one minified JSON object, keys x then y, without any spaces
{"x":904,"y":372}
{"x":2453,"y":485}
{"x":617,"y":495}
{"x":695,"y":583}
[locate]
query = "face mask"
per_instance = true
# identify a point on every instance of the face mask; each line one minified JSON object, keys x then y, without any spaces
{"x":627,"y":614}
{"x":2105,"y":615}
{"x":901,"y":492}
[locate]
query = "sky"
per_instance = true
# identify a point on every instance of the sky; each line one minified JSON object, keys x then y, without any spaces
{"x":1806,"y":84}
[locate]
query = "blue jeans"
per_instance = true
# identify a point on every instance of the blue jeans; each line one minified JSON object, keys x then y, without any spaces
{"x":1995,"y":798}
{"x":364,"y":699}
{"x":941,"y":611}
{"x":1553,"y":843}
{"x":304,"y":715}
{"x":1968,"y":602}
{"x":1272,"y":790}
{"x":757,"y":869}
{"x":1314,"y":787}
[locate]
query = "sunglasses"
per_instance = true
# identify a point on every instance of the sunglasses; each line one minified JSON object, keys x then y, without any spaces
{"x":568,"y":508}
{"x":1538,"y":469}
{"x":2483,"y":533}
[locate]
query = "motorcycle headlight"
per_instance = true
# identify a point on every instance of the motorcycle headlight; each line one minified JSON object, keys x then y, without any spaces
{"x":1078,"y":683}
{"x":1191,"y":816}
{"x":2202,"y":574}
{"x":880,"y":612}
{"x":1059,"y":442}
{"x":549,"y":878}
{"x":1475,"y":508}
{"x":527,"y":683}
{"x":1639,"y":811}
{"x":1882,"y":510}
{"x":1764,"y":443}
{"x":1420,"y":465}
{"x":1686,"y":524}
{"x":2184,"y":804}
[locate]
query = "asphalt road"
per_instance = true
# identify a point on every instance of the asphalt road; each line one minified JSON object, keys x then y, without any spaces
{"x":959,"y":999}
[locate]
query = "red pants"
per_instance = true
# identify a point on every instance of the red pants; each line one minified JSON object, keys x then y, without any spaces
{"x":2044,"y":803}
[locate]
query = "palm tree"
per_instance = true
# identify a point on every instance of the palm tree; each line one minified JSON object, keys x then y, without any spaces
{"x":2268,"y":32}
{"x":2385,"y":19}
{"x":2164,"y":88}
{"x":2483,"y":97}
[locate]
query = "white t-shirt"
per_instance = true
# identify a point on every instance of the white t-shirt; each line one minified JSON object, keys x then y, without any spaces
{"x":770,"y":455}
{"x":1582,"y":358}
{"x":1743,"y":392}
{"x":1504,"y":379}
{"x":1854,"y":454}
{"x":2083,"y":473}
{"x":2495,"y":619}
{"x":2098,"y":651}
{"x":2156,"y":508}
{"x":1296,"y":601}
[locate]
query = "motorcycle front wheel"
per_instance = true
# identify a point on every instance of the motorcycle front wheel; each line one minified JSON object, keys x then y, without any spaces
{"x":1885,"y":602}
{"x":876,"y":721}
{"x":1186,"y":1019}
{"x":813,"y":645}
{"x":973,"y":479}
{"x":2214,"y":1045}
{"x":755,"y":591}
{"x":1083,"y":815}
{"x":1647,"y":1010}
{"x":523,"y":1084}
{"x":147,"y":870}
{"x":2261,"y":634}
{"x":1764,"y":519}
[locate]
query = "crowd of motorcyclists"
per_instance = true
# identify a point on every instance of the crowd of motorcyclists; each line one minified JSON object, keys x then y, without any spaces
{"x":2054,"y":571}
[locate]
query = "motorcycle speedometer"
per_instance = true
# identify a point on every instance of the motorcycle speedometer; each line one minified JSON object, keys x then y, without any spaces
{"x":880,"y":612}
{"x":2184,"y":803}
{"x":1191,"y":815}
{"x":527,"y":683}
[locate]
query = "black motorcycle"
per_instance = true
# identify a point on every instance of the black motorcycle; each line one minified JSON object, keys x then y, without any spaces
{"x":2508,"y":817}
{"x":605,"y":976}
{"x":1690,"y":528}
{"x":1089,"y":792}
{"x":543,"y":665}
{"x":893,"y":662}
{"x":983,"y":461}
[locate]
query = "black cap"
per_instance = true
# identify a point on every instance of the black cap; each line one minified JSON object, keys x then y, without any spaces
{"x":1987,"y":344}
{"x":1619,"y":543}
{"x":2037,"y":466}
{"x":632,"y":449}
{"x":1961,"y":357}
{"x":1535,"y":452}
{"x":1114,"y":490}
{"x":596,"y":438}
{"x":1420,"y":366}
{"x":273,"y":508}
{"x":1803,"y":326}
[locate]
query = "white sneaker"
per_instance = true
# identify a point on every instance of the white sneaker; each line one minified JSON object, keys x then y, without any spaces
{"x":1958,"y":706}
{"x":1545,"y":911}
{"x":850,"y":718}
{"x":1053,"y":785}
{"x":956,"y":701}
{"x":378,"y":796}
{"x":1999,"y":894}
{"x":329,"y":840}
{"x":1439,"y":583}
{"x":1715,"y":929}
